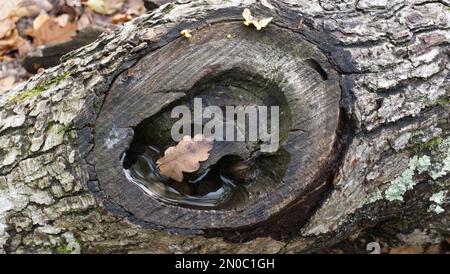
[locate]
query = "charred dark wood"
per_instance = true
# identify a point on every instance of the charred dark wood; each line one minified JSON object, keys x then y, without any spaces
{"x":153,"y":4}
{"x":171,"y":73}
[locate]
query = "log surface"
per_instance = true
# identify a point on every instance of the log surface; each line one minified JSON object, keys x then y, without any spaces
{"x":170,"y":73}
{"x":392,"y":59}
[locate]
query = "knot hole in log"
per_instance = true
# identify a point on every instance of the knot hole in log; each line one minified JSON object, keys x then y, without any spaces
{"x":239,"y":187}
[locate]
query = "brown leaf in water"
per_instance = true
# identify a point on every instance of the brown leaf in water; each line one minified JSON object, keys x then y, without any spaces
{"x":185,"y":156}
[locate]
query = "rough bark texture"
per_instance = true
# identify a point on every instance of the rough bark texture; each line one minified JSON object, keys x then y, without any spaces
{"x":393,"y":60}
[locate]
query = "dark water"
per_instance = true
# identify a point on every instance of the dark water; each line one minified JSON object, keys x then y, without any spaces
{"x":212,"y":189}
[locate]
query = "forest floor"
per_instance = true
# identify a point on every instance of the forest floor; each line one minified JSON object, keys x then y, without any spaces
{"x":26,"y":26}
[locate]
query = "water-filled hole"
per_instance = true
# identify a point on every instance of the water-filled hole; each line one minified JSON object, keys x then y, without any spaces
{"x":210,"y":189}
{"x":236,"y":172}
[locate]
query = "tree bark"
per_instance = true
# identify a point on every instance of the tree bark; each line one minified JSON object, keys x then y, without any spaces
{"x":381,"y":154}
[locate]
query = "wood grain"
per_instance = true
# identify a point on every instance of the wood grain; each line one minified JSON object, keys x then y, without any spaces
{"x":167,"y":75}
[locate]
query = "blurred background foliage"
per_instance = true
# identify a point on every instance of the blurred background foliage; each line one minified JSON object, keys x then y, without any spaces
{"x":34,"y":34}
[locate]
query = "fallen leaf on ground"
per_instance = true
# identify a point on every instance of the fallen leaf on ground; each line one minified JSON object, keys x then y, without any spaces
{"x":13,"y":41}
{"x":121,"y":18}
{"x":185,"y":156}
{"x":31,"y":8}
{"x":85,"y":20}
{"x":7,"y":83}
{"x":9,"y":37}
{"x":45,"y":5}
{"x":47,"y":29}
{"x":433,"y":249}
{"x":135,"y":7}
{"x":9,"y":6}
{"x":7,"y":25}
{"x":250,"y":20}
{"x":106,"y":7}
{"x":73,"y":3}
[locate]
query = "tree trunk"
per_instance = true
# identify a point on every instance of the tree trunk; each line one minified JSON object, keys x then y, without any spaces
{"x":365,"y":82}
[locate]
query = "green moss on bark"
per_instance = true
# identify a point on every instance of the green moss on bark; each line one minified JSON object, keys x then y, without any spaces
{"x":45,"y":85}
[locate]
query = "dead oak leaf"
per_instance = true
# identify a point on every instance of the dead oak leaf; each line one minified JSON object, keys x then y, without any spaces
{"x":7,"y":83}
{"x":7,"y":26}
{"x":185,"y":156}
